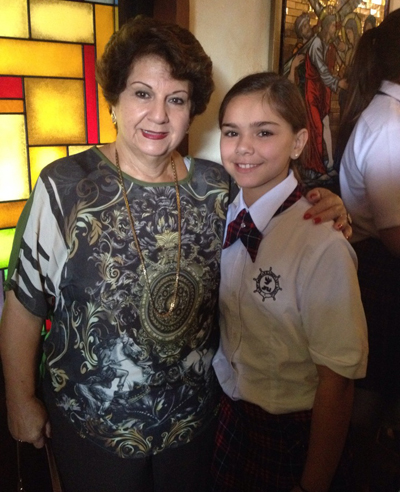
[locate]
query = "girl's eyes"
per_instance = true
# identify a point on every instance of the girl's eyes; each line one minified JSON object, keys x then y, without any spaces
{"x":262,"y":133}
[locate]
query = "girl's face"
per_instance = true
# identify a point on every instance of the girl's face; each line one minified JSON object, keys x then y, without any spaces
{"x":257,"y":145}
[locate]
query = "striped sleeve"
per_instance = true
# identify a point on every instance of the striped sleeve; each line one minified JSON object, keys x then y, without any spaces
{"x":39,"y":251}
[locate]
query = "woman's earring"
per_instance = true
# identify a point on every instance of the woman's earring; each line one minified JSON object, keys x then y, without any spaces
{"x":113,"y":117}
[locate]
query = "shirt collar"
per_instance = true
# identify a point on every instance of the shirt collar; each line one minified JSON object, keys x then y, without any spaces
{"x":391,"y":89}
{"x":265,"y":207}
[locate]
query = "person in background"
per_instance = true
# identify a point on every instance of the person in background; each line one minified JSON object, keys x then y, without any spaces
{"x":293,"y":331}
{"x":120,"y":245}
{"x":369,"y":150}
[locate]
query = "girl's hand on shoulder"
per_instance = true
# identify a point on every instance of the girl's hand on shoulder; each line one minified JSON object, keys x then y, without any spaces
{"x":328,"y":206}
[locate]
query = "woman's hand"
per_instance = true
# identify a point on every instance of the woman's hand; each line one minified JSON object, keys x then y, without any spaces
{"x":328,"y":206}
{"x":28,"y":421}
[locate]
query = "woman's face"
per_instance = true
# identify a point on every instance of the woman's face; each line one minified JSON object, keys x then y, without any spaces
{"x":153,"y":111}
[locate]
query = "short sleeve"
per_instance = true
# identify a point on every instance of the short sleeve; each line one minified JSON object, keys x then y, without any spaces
{"x":38,"y":252}
{"x":332,"y":311}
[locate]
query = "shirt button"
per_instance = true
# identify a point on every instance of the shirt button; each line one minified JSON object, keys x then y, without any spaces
{"x":242,"y":225}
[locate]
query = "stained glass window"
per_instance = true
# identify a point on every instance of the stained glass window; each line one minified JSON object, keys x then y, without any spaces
{"x":48,"y":53}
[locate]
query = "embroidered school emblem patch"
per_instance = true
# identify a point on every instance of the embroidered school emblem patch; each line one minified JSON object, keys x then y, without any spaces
{"x":267,"y":284}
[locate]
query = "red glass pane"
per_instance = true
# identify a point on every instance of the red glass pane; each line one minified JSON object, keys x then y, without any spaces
{"x":11,"y":87}
{"x":90,"y":93}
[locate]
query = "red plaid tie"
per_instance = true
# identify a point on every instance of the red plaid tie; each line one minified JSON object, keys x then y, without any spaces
{"x":244,"y":228}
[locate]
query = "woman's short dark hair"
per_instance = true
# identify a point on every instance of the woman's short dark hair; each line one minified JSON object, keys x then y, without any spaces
{"x":144,"y":36}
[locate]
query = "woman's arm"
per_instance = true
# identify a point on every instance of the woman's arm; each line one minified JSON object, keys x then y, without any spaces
{"x":328,"y":206}
{"x":19,"y":349}
{"x":329,"y":426}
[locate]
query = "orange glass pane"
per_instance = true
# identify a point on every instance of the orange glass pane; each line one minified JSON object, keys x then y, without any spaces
{"x":105,"y":26}
{"x":14,"y":182}
{"x":55,"y":111}
{"x":11,"y":106}
{"x":39,"y":157}
{"x":9,"y":213}
{"x":62,"y":21}
{"x":41,"y":59}
{"x":14,"y":19}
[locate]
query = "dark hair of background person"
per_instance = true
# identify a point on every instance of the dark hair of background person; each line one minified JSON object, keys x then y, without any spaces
{"x":143,"y":36}
{"x":282,"y":95}
{"x":377,"y":58}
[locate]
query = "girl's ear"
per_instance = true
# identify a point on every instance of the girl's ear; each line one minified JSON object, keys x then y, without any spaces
{"x":300,"y":141}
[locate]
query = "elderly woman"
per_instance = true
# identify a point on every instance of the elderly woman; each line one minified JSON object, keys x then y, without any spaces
{"x":121,"y":245}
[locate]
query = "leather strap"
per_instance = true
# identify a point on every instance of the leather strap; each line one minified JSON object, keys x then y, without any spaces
{"x":55,"y":478}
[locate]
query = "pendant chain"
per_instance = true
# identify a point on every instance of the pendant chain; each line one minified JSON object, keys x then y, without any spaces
{"x":132,"y":223}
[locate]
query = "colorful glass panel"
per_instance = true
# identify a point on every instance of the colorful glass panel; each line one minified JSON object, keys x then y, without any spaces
{"x":9,"y":213}
{"x":90,"y":92}
{"x":76,"y":149}
{"x":14,"y":182}
{"x":104,"y":29}
{"x":11,"y":87}
{"x":11,"y":106}
{"x":55,"y":111}
{"x":14,"y":18}
{"x":6,"y":239}
{"x":39,"y":157}
{"x":62,"y":21}
{"x":37,"y":58}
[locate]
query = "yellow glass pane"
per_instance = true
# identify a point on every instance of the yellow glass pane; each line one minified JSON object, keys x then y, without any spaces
{"x":105,"y":26}
{"x":9,"y":213}
{"x":39,"y":157}
{"x":6,"y":240}
{"x":11,"y":106}
{"x":76,"y":149}
{"x":55,"y":111}
{"x":14,"y":19}
{"x":62,"y":21}
{"x":19,"y":57}
{"x":14,"y":183}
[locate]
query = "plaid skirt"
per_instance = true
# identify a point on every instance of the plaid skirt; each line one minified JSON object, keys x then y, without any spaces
{"x":379,"y":278}
{"x":257,"y":451}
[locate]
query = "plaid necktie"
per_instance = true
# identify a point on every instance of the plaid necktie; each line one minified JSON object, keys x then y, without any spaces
{"x":244,"y":228}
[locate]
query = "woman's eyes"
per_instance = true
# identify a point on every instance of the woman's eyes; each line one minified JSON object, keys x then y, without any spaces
{"x":142,"y":94}
{"x":179,"y":101}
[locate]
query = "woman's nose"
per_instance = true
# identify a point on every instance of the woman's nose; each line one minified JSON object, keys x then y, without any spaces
{"x":158,"y":112}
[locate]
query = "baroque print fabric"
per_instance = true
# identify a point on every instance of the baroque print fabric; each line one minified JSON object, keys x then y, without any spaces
{"x":127,"y":379}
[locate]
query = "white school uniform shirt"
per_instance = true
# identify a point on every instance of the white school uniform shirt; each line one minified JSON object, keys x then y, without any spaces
{"x":370,"y":166}
{"x":298,"y":305}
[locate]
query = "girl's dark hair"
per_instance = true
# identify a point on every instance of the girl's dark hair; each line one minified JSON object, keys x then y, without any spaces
{"x":377,"y":58}
{"x":144,"y":36}
{"x":280,"y":93}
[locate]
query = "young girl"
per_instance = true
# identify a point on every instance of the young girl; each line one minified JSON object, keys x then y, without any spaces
{"x":293,"y":328}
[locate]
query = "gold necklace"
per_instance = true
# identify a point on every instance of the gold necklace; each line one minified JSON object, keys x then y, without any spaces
{"x":172,"y":306}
